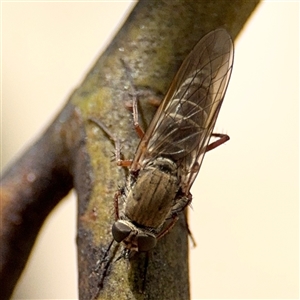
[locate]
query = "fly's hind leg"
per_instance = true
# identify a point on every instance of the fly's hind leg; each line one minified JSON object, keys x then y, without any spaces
{"x":139,"y":130}
{"x":222,"y":138}
{"x":116,"y":142}
{"x":133,"y":105}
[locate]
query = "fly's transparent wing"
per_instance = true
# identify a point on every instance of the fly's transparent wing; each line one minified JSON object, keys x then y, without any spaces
{"x":183,"y":123}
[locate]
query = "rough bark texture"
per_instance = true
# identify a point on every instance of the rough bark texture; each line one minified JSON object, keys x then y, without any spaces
{"x":74,"y":152}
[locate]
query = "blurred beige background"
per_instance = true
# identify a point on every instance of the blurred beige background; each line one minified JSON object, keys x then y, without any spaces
{"x":245,"y":213}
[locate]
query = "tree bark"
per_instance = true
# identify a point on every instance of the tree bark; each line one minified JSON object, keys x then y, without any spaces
{"x":73,"y":152}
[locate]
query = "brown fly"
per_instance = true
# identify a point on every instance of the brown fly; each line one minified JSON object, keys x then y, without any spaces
{"x":172,"y":149}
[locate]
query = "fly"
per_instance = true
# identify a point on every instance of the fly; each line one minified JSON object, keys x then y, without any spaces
{"x":171,"y":151}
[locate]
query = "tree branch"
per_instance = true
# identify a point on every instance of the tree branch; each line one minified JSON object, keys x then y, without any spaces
{"x":74,"y":152}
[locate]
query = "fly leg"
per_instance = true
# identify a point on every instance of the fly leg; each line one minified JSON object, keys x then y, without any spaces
{"x":222,"y":138}
{"x":103,"y":267}
{"x":116,"y":203}
{"x":120,"y":162}
{"x":140,"y":132}
{"x":133,"y":105}
{"x":189,"y":231}
{"x":168,"y":228}
{"x":181,"y":204}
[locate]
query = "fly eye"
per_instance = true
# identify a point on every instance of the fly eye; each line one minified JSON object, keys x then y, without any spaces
{"x":120,"y":231}
{"x":145,"y":242}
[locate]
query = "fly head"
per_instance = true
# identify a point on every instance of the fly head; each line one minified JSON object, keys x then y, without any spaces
{"x":134,"y":239}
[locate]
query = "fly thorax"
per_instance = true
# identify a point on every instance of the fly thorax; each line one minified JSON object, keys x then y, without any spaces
{"x":151,"y":198}
{"x":134,"y":239}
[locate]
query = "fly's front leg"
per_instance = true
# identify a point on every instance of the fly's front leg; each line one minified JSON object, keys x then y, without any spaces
{"x":120,"y":162}
{"x":222,"y":138}
{"x":117,"y":196}
{"x":168,"y":228}
{"x":172,"y":224}
{"x":181,"y":204}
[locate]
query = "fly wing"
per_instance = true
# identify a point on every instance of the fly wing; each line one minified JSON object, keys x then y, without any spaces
{"x":183,"y":123}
